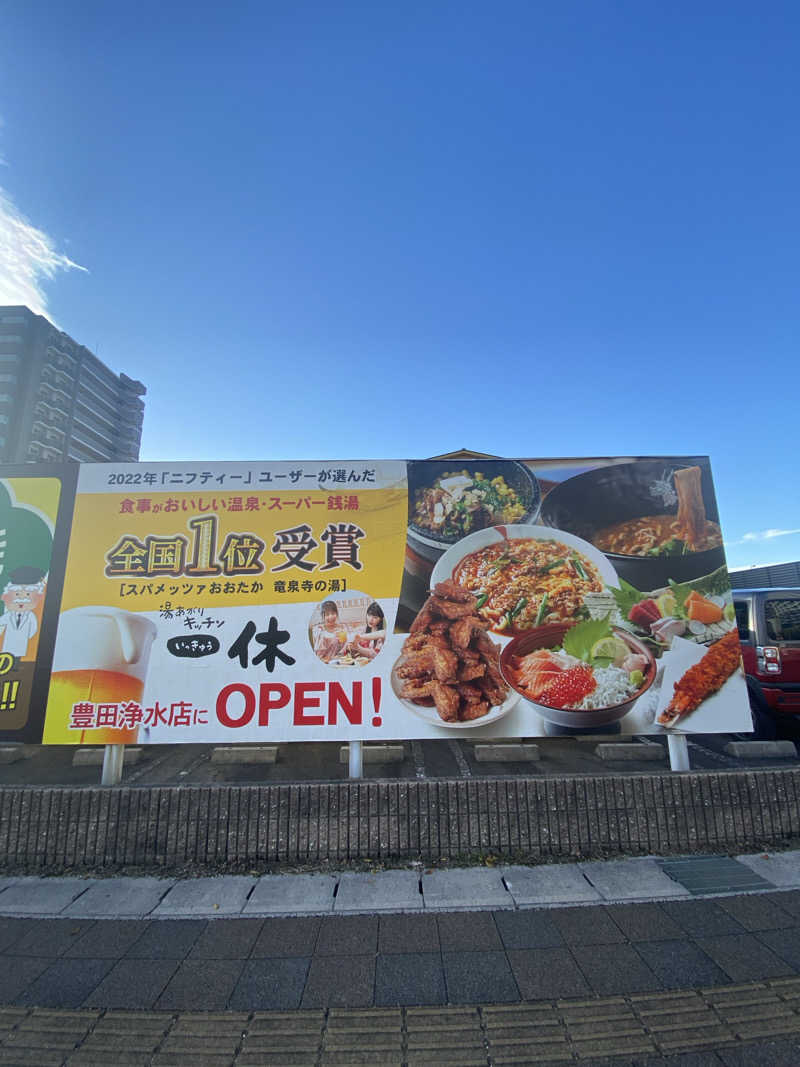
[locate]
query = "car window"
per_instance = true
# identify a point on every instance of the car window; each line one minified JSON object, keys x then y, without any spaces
{"x":783,"y":619}
{"x":743,"y":619}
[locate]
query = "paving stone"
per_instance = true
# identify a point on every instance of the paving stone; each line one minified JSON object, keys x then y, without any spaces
{"x":680,"y":964}
{"x":784,"y":1052}
{"x":120,"y":898}
{"x":140,"y":1041}
{"x":644,"y":922}
{"x":216,"y":1023}
{"x":755,"y":913}
{"x":310,"y":893}
{"x":340,"y":980}
{"x":779,"y":868}
{"x":86,"y":1057}
{"x":41,"y":896}
{"x":169,"y":939}
{"x":11,"y":930}
{"x":65,"y":983}
{"x":786,"y":899}
{"x":614,"y":969}
{"x":384,"y":891}
{"x":408,"y":933}
{"x":296,"y":936}
{"x":107,"y":939}
{"x":679,"y":1059}
{"x":557,"y":883}
{"x":410,"y":978}
{"x":545,"y":973}
{"x":200,"y":985}
{"x":36,"y":1057}
{"x":132,"y":983}
{"x":270,"y":984}
{"x":478,"y":977}
{"x":467,"y":888}
{"x":701,"y":918}
{"x":347,"y":935}
{"x":50,"y":937}
{"x":178,"y":1059}
{"x":630,"y":879}
{"x":785,"y":944}
{"x":227,"y":939}
{"x":527,"y":929}
{"x":586,"y":926}
{"x":225,"y":895}
{"x":17,"y":974}
{"x":473,"y":932}
{"x":743,"y":957}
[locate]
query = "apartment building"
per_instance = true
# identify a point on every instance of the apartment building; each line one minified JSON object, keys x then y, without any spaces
{"x":58,"y":401}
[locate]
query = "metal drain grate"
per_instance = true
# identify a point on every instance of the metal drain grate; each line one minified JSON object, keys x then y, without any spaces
{"x":713,"y":874}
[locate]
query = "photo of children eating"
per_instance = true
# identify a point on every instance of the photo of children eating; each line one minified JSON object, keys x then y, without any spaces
{"x":348,"y":632}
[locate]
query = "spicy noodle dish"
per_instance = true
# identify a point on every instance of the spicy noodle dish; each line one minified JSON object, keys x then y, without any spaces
{"x":524,"y":582}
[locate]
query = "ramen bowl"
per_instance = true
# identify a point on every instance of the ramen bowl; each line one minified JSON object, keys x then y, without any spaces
{"x":551,"y":637}
{"x":590,"y":502}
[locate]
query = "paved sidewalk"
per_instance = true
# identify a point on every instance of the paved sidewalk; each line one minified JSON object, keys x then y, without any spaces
{"x":636,"y":961}
{"x":396,"y":959}
{"x":417,"y":890}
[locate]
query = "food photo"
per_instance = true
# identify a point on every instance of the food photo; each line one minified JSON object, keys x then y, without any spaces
{"x":577,"y":587}
{"x":654,"y":520}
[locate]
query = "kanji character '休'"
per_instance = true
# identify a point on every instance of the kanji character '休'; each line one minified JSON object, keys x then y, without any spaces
{"x":270,"y":639}
{"x":341,"y":545}
{"x":295,"y":544}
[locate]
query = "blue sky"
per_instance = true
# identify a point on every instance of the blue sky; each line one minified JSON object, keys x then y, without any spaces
{"x":372,"y":230}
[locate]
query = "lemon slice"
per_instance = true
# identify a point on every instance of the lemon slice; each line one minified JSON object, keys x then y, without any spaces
{"x":613,"y":648}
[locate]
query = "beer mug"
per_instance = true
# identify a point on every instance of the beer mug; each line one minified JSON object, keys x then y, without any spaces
{"x":100,"y":661}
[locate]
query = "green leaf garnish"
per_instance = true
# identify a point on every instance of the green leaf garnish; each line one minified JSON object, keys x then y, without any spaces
{"x":626,"y":596}
{"x":581,"y":639}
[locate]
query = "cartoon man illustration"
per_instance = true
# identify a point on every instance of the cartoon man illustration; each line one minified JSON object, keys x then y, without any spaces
{"x":22,"y":595}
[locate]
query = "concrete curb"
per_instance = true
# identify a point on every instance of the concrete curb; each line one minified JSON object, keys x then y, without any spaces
{"x":231,"y":828}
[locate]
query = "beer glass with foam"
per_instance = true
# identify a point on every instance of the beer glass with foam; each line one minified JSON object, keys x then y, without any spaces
{"x":100,"y":658}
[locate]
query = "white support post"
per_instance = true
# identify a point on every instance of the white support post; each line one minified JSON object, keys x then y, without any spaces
{"x":678,"y":752}
{"x":113,"y":758}
{"x":356,"y":759}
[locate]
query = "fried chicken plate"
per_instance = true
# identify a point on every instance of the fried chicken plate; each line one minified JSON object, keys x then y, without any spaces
{"x":703,"y":679}
{"x":449,"y":662}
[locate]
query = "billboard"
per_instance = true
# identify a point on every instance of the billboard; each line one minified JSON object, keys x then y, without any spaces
{"x":377,"y":600}
{"x":35,"y":507}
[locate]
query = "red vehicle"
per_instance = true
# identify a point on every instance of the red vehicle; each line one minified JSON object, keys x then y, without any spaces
{"x":769,"y":629}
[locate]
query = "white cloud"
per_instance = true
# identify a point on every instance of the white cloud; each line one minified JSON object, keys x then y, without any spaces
{"x":27,"y":259}
{"x":767,"y":535}
{"x":761,"y":535}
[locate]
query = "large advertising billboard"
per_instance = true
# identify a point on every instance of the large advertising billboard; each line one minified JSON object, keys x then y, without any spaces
{"x":377,"y":600}
{"x":35,"y":508}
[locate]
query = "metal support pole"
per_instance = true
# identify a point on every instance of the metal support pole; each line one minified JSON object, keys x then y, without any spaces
{"x":678,"y":752}
{"x":356,"y":759}
{"x":113,"y":758}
